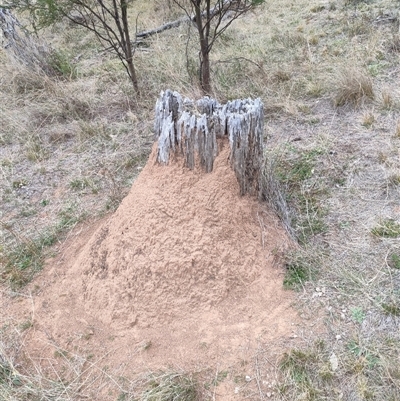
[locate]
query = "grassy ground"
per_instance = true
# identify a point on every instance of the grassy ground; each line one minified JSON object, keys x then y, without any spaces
{"x":327,"y":74}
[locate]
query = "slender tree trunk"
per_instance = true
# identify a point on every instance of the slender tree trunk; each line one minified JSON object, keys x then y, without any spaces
{"x":205,"y":80}
{"x":205,"y":74}
{"x":132,"y":75}
{"x":128,"y":50}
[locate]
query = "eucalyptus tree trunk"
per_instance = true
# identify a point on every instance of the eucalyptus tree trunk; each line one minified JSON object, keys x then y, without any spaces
{"x":22,"y":47}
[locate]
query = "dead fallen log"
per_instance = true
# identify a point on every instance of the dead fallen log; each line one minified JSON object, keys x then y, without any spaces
{"x":168,"y":25}
{"x":187,"y":18}
{"x":191,"y":129}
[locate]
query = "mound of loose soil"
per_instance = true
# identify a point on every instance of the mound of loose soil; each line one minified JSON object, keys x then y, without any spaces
{"x":181,"y":241}
{"x":185,"y":264}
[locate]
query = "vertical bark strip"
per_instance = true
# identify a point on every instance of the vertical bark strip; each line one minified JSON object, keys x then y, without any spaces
{"x":191,"y":129}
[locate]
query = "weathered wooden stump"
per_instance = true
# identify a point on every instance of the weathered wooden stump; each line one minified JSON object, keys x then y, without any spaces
{"x":191,"y":129}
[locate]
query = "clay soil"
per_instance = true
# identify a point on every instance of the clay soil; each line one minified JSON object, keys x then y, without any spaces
{"x":184,"y":274}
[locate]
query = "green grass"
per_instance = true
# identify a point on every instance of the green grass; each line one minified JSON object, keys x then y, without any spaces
{"x":363,"y":358}
{"x":300,"y":367}
{"x":80,"y":184}
{"x":21,"y":262}
{"x":357,"y":314}
{"x":61,"y":62}
{"x":394,"y":261}
{"x":299,"y":269}
{"x":388,"y":228}
{"x":315,"y":372}
{"x":5,"y":371}
{"x":296,"y":274}
{"x":391,"y":308}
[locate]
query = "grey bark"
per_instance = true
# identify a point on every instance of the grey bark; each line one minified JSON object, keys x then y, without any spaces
{"x":21,"y":46}
{"x":191,"y":129}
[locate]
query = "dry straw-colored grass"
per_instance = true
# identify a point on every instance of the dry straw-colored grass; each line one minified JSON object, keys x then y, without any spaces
{"x":71,"y":146}
{"x":353,"y":87}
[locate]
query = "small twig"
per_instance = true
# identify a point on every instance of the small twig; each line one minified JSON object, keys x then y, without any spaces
{"x":170,"y":216}
{"x":258,"y":379}
{"x":187,"y":52}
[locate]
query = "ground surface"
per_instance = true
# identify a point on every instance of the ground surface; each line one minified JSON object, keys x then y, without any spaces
{"x":72,"y":146}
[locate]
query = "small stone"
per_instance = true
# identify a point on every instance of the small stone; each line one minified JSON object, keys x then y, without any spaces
{"x":334,"y":362}
{"x":338,"y":337}
{"x":248,"y":378}
{"x":269,"y":395}
{"x":237,"y":390}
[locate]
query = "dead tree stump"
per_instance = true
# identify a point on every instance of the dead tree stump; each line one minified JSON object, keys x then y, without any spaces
{"x":190,"y":128}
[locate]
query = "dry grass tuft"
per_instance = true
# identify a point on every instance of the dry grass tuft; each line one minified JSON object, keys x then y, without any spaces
{"x":387,"y":99}
{"x":274,"y":194}
{"x":177,"y":386}
{"x":368,"y":119}
{"x":394,"y":45}
{"x":70,"y":376}
{"x":25,"y":81}
{"x":353,"y":87}
{"x":397,"y":130}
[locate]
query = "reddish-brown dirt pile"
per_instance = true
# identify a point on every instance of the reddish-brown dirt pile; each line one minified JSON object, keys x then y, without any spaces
{"x":181,"y":241}
{"x":185,"y":264}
